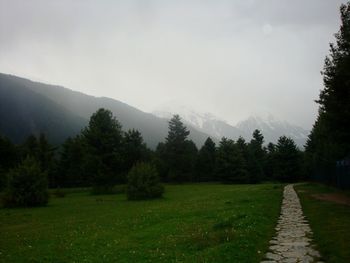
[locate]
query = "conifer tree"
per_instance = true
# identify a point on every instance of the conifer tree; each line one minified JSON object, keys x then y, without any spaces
{"x":8,"y":159}
{"x":230,"y":164}
{"x":287,"y":160}
{"x":205,"y":165}
{"x":329,"y":139}
{"x":103,"y":138}
{"x":176,"y":147}
{"x":135,"y":150}
{"x":256,"y":157}
{"x":71,"y":172}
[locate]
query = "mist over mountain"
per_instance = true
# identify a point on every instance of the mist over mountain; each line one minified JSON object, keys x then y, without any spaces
{"x":24,"y":112}
{"x":29,"y":107}
{"x":271,"y":127}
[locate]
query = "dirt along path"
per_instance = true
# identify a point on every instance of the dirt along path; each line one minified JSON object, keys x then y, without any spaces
{"x":293,"y":240}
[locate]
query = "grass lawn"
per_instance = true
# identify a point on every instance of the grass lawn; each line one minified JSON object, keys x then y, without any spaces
{"x":329,"y":221}
{"x":192,"y":223}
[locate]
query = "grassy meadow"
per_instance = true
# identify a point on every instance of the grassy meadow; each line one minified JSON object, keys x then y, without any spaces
{"x":192,"y":223}
{"x":329,"y":220}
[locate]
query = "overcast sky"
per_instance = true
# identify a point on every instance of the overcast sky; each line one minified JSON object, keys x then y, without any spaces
{"x":230,"y":58}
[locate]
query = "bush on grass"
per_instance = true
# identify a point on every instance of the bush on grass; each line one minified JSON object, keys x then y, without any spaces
{"x":144,"y":182}
{"x":27,"y":185}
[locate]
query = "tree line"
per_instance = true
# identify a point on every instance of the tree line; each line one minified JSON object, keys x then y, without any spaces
{"x":329,"y":140}
{"x":102,"y":155}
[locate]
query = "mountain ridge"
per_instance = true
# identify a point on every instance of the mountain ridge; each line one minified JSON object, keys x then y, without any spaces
{"x":270,"y":127}
{"x":82,"y":106}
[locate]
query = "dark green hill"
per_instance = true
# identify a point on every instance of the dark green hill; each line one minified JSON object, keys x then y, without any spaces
{"x":60,"y":112}
{"x":24,"y":112}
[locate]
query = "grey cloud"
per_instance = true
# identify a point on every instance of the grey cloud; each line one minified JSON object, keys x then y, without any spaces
{"x":230,"y":58}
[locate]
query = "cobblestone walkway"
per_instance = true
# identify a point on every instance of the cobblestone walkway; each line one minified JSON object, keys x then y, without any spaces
{"x":292,"y":242}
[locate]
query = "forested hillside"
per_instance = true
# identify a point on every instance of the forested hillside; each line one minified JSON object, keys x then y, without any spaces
{"x":47,"y":108}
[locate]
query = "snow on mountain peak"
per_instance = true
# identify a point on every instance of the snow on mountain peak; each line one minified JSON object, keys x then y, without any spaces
{"x":270,"y":126}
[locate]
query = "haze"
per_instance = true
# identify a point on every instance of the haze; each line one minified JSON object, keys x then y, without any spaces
{"x":230,"y":58}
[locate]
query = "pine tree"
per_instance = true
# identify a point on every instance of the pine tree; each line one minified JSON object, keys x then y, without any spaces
{"x":287,"y":160}
{"x":256,"y":157}
{"x":177,"y":133}
{"x":270,"y":161}
{"x":230,"y":164}
{"x":103,"y":138}
{"x":71,"y":171}
{"x":43,"y":152}
{"x":135,"y":150}
{"x":329,"y":139}
{"x":160,"y":161}
{"x":205,"y":164}
{"x":8,"y":159}
{"x":176,"y":150}
{"x":46,"y":158}
{"x":335,"y":97}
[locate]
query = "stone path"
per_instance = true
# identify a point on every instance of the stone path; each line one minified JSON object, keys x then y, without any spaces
{"x":292,"y":243}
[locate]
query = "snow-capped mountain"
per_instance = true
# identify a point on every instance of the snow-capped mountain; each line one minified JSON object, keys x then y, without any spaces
{"x":270,"y":127}
{"x":205,"y":122}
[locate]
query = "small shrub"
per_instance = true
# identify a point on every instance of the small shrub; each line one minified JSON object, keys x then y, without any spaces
{"x":27,"y":185}
{"x":143,"y":182}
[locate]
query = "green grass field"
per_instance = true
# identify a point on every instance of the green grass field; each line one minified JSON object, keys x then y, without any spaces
{"x":329,"y":221}
{"x":192,"y":223}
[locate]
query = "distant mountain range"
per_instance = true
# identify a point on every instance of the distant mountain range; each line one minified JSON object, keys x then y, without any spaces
{"x":271,"y":128}
{"x":28,"y":107}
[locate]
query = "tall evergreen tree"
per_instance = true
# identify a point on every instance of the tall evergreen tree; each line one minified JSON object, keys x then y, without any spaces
{"x":43,"y":152}
{"x":205,"y":164}
{"x":30,"y":147}
{"x":329,"y":139}
{"x":335,"y":97}
{"x":230,"y":164}
{"x":188,"y":161}
{"x":46,"y":158}
{"x":8,"y":159}
{"x":71,"y":172}
{"x":103,"y":138}
{"x":270,"y":161}
{"x":256,"y":157}
{"x":287,"y":166}
{"x":135,"y":150}
{"x":176,"y":147}
{"x":160,"y":161}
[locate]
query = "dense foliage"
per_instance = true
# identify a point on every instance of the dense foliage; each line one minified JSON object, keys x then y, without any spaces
{"x":27,"y":185}
{"x":144,"y":182}
{"x":329,"y":140}
{"x":103,"y":155}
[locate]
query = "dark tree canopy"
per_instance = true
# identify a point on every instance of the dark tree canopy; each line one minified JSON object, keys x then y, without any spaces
{"x":8,"y":159}
{"x":71,"y":168}
{"x":329,"y":139}
{"x":256,"y":157}
{"x":177,"y":133}
{"x":143,"y":182}
{"x":134,"y":149}
{"x":27,"y":185}
{"x":103,"y":138}
{"x":286,"y":160}
{"x":205,"y":165}
{"x":230,"y":164}
{"x":178,"y":151}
